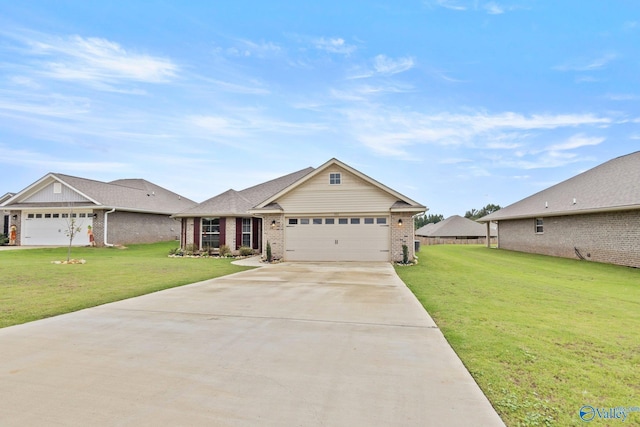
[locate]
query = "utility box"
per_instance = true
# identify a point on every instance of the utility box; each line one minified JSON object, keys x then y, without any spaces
{"x":416,"y":245}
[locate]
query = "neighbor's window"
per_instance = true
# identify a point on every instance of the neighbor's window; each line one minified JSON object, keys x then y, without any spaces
{"x":210,"y":233}
{"x":334,"y":178}
{"x":539,"y":225}
{"x":246,"y":232}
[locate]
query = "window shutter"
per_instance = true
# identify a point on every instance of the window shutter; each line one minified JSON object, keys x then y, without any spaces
{"x":238,"y":232}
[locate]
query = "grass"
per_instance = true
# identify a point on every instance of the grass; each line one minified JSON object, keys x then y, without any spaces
{"x":542,"y":336}
{"x":33,"y":288}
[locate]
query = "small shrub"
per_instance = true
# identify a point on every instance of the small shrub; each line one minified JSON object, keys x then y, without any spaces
{"x":269,"y":255}
{"x":245,"y":251}
{"x":405,"y":254}
{"x":224,"y":251}
{"x":175,"y":251}
{"x":4,"y":239}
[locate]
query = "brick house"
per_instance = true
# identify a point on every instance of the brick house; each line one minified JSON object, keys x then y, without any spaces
{"x":119,"y":212}
{"x":594,"y":216}
{"x":331,"y":213}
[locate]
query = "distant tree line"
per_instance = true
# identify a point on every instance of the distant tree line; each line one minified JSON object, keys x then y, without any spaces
{"x":473,"y":214}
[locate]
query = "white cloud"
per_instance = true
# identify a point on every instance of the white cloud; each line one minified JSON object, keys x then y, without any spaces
{"x":334,"y":45}
{"x":248,"y":48}
{"x":493,"y":8}
{"x":576,"y":141}
{"x":393,"y":132}
{"x":385,"y":65}
{"x":587,"y":64}
{"x":95,"y":61}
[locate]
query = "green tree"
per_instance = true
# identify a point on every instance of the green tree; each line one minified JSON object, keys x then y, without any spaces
{"x":424,"y":219}
{"x":474,"y":214}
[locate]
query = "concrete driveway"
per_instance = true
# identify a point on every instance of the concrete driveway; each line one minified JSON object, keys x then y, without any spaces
{"x":294,"y":344}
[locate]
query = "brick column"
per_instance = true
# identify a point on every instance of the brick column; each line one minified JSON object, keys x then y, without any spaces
{"x":273,"y":226}
{"x":402,"y":235}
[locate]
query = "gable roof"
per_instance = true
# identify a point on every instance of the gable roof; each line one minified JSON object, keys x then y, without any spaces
{"x":126,"y":194}
{"x":6,"y":197}
{"x":403,"y":204}
{"x":454,"y":226}
{"x":238,"y":203}
{"x":611,"y":186}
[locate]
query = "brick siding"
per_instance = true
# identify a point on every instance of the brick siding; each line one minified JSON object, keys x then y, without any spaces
{"x":132,"y":227}
{"x":402,"y":235}
{"x":612,"y":237}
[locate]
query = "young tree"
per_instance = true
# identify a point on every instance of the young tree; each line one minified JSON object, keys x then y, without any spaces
{"x":73,"y":228}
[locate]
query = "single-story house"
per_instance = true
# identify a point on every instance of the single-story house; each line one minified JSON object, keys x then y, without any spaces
{"x":331,"y":213}
{"x":118,"y":212}
{"x":455,"y":227}
{"x":594,"y":215}
{"x":4,"y":217}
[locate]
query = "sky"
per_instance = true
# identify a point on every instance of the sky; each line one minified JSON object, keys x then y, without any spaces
{"x":454,"y":103}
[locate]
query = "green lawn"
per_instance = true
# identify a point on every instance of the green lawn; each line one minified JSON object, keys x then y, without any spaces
{"x":542,"y":336}
{"x":32,"y":288}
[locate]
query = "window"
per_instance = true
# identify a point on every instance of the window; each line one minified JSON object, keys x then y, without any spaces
{"x":334,"y":178}
{"x":539,"y":226}
{"x":317,"y":221}
{"x":343,"y":221}
{"x":355,"y":220}
{"x":368,"y":220}
{"x":210,"y":233}
{"x":55,"y":215}
{"x":82,"y":215}
{"x":304,"y":221}
{"x":64,"y":215}
{"x":31,"y":216}
{"x":47,"y":215}
{"x":329,"y":221}
{"x":293,"y":221}
{"x":381,"y":220}
{"x":246,"y":232}
{"x":38,"y":215}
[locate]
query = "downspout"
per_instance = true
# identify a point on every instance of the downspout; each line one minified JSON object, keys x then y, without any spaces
{"x":106,"y":227}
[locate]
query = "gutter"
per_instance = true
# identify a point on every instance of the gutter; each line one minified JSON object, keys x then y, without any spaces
{"x":106,"y":226}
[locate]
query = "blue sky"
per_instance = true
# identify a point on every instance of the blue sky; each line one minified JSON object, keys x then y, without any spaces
{"x":453,"y":103}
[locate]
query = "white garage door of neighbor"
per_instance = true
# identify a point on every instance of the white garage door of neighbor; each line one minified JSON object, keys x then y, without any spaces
{"x":337,"y":239}
{"x":49,"y":229}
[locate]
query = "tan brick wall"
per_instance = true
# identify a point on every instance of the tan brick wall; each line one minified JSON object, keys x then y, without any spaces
{"x":402,"y":235}
{"x":132,"y":227}
{"x":274,"y":235}
{"x":605,"y":237}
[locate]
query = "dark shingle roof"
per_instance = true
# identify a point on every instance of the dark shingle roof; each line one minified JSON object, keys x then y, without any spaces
{"x":454,"y":226}
{"x":611,"y":186}
{"x":125,"y":194}
{"x":238,"y":203}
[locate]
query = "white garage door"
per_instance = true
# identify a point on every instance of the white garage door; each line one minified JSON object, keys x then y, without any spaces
{"x":337,"y":239}
{"x":49,"y":228}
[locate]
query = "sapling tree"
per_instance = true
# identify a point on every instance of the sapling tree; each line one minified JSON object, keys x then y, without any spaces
{"x":73,"y":228}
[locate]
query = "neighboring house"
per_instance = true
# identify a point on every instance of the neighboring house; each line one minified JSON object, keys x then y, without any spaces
{"x":594,"y":215}
{"x":332,"y":213}
{"x":118,"y":212}
{"x":4,"y":215}
{"x":455,"y":227}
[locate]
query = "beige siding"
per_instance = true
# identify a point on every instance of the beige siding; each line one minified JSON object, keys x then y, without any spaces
{"x":351,"y":195}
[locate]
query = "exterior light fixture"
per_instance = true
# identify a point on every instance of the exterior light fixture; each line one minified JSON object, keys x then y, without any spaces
{"x":400,"y":222}
{"x":273,"y":224}
{"x":15,"y":217}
